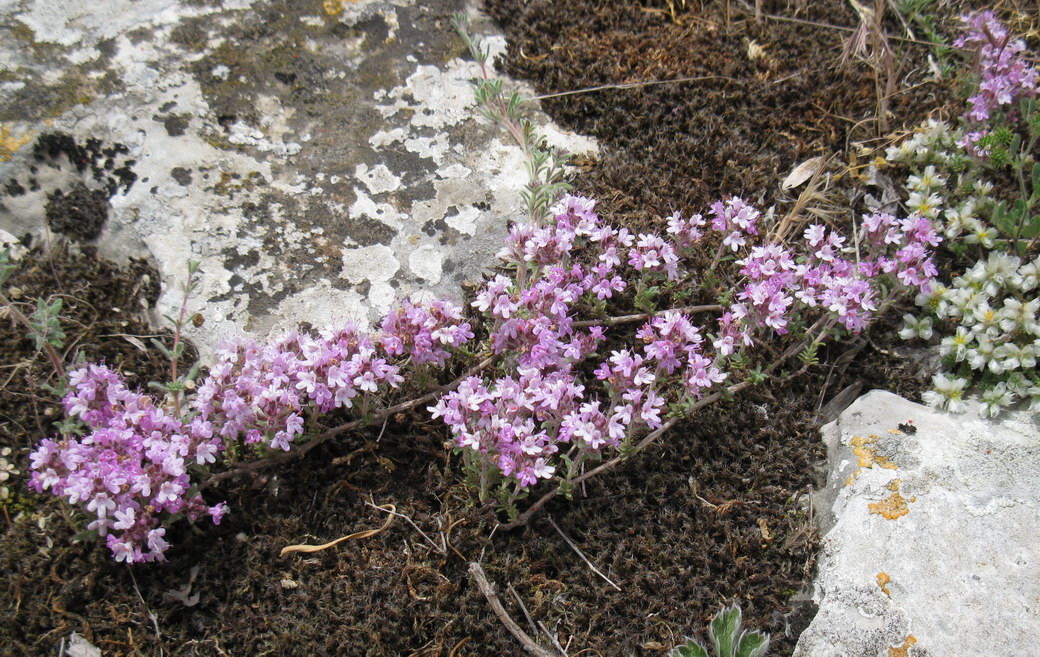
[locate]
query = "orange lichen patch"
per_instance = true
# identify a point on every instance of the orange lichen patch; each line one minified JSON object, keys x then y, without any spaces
{"x":334,"y":7}
{"x":867,"y":457}
{"x":10,"y":144}
{"x":882,"y":581}
{"x":894,"y":506}
{"x":903,"y":650}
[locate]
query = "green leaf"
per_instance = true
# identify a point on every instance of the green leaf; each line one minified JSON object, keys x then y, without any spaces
{"x":162,"y":348}
{"x":723,"y":631}
{"x":1036,"y":178}
{"x":6,"y":267}
{"x":1032,"y":229}
{"x":753,"y":644}
{"x":1002,"y":220}
{"x":193,"y":372}
{"x":689,"y":649}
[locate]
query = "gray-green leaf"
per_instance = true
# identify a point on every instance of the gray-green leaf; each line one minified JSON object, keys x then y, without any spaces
{"x":723,"y":631}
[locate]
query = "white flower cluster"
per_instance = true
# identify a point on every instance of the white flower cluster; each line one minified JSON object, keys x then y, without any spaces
{"x":935,"y":147}
{"x":934,"y":142}
{"x":994,"y":307}
{"x":6,"y":470}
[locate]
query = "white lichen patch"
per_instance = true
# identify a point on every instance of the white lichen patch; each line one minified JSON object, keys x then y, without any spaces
{"x":435,"y":98}
{"x":454,"y":171}
{"x":375,"y":264}
{"x":384,"y":213}
{"x":465,"y":221}
{"x":243,"y":135}
{"x":427,"y":262}
{"x":378,"y":179}
{"x":286,"y":204}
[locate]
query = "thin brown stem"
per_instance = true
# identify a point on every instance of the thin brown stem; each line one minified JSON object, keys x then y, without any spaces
{"x":581,"y":554}
{"x":627,"y":319}
{"x":489,"y":591}
{"x":634,"y":85}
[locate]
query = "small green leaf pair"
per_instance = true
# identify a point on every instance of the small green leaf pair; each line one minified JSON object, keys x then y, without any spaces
{"x":727,"y":638}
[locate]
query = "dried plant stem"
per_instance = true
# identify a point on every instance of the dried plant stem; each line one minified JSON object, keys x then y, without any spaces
{"x":634,"y":85}
{"x":386,"y":508}
{"x":302,"y":450}
{"x":488,"y":589}
{"x":627,"y":319}
{"x":581,"y":554}
{"x":845,"y":28}
{"x":151,"y":615}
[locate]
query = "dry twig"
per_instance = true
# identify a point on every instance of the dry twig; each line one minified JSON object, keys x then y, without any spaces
{"x":488,"y":589}
{"x":579,"y":553}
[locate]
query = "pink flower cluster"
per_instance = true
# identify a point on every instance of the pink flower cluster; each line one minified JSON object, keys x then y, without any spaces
{"x":736,"y":220}
{"x":686,"y":232}
{"x":131,"y":471}
{"x":778,"y":287}
{"x":425,"y":332}
{"x":519,"y":422}
{"x":524,"y":424}
{"x":1005,"y":74}
{"x":131,"y":468}
{"x":258,"y":392}
{"x":673,"y":342}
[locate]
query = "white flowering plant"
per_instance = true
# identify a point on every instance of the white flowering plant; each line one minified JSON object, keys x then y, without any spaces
{"x":981,"y":182}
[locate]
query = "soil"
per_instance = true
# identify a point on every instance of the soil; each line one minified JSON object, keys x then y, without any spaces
{"x":714,"y":513}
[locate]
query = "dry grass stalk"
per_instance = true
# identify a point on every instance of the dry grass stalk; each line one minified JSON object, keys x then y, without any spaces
{"x":869,"y":43}
{"x":814,"y":203}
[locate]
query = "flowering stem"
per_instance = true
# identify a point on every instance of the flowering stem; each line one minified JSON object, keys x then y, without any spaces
{"x":649,"y":439}
{"x":52,"y":355}
{"x":174,"y":358}
{"x":525,"y":517}
{"x":482,"y":496}
{"x":715,"y":260}
{"x":303,"y":449}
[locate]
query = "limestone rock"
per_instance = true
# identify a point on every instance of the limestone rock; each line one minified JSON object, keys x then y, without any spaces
{"x":931,"y":534}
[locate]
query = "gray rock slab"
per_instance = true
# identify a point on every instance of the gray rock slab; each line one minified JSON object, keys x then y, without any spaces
{"x":320,"y":159}
{"x":931,"y":534}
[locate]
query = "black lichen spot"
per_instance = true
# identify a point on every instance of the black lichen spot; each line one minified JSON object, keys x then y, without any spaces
{"x":14,"y":188}
{"x":79,"y":214}
{"x":433,"y":227}
{"x":181,"y":175}
{"x":176,"y":124}
{"x":91,"y":157}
